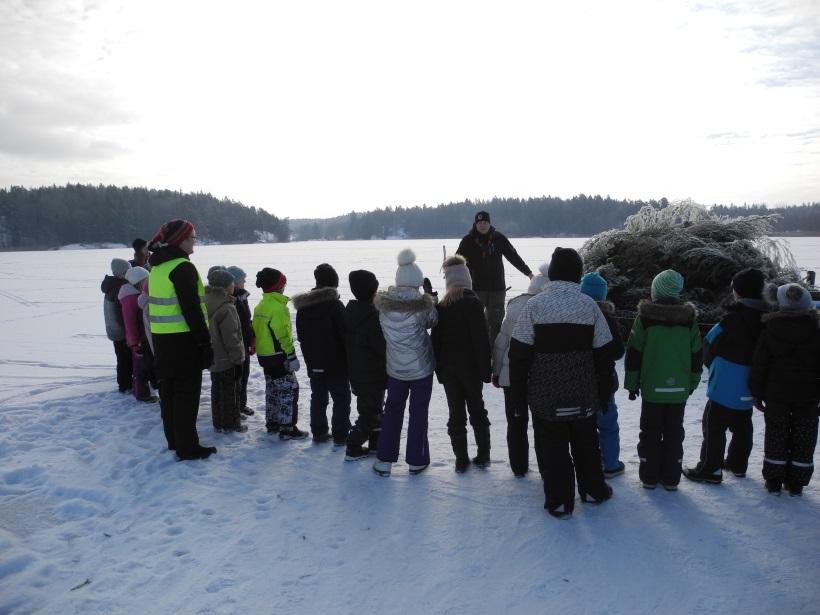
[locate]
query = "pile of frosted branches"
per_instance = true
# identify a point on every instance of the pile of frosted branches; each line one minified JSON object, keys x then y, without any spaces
{"x":684,"y":236}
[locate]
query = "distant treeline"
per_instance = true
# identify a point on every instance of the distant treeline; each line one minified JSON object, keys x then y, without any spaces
{"x":579,"y":216}
{"x":60,"y":215}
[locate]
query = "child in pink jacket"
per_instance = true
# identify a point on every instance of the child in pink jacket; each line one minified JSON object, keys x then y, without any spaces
{"x":135,"y":332}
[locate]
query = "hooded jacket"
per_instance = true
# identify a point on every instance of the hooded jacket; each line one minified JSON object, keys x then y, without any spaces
{"x":131,"y":315}
{"x":786,"y":364}
{"x":664,"y":357}
{"x":225,"y":328}
{"x":364,"y":344}
{"x":112,"y":310}
{"x":320,"y":329}
{"x":483,"y":254}
{"x":728,"y":351}
{"x":179,"y":354}
{"x":405,"y":315}
{"x":460,"y":340}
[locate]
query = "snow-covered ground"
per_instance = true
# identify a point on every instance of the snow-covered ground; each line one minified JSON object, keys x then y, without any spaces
{"x":97,"y":517}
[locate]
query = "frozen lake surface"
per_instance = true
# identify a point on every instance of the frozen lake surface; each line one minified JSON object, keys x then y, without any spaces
{"x":89,"y":493}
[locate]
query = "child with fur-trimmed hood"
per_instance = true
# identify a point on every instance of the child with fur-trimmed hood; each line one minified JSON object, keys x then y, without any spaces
{"x":462,"y":349}
{"x":405,"y":315}
{"x":321,"y":330}
{"x":663,"y":364}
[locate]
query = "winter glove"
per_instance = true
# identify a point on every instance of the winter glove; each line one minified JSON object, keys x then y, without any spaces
{"x":237,"y":372}
{"x":292,"y":364}
{"x":206,"y":354}
{"x":428,"y":287}
{"x":633,"y":395}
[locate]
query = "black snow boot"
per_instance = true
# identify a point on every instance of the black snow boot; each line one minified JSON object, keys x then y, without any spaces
{"x":460,"y":449}
{"x":482,"y":440}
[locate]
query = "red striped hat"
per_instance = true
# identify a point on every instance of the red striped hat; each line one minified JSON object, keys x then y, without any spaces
{"x":172,"y":233}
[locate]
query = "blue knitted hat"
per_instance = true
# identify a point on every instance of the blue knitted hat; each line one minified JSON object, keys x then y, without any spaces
{"x":594,"y":285}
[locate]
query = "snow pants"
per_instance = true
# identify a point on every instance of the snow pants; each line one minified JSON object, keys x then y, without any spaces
{"x":243,"y":382}
{"x":281,"y":401}
{"x":791,"y":436}
{"x":562,"y":467}
{"x":609,"y":435}
{"x":716,"y":420}
{"x":370,"y":406}
{"x":125,"y":367}
{"x":494,"y":301}
{"x":179,"y":406}
{"x":225,"y":399}
{"x":518,"y":444}
{"x":418,"y":448}
{"x":660,"y":443}
{"x":464,"y":396}
{"x":321,"y":389}
{"x":142,"y":365}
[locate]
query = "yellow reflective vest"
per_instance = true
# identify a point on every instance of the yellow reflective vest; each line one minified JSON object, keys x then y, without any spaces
{"x":273,"y":329}
{"x":164,"y":312}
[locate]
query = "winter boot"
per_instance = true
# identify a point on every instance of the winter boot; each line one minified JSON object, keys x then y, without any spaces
{"x":292,"y":432}
{"x":248,"y":411}
{"x":560,"y":512}
{"x":616,"y":471}
{"x":460,"y":449}
{"x":382,"y":468}
{"x":322,"y":438}
{"x":588,"y":499}
{"x":699,"y":476}
{"x":272,"y":427}
{"x":417,"y":469}
{"x":795,"y":490}
{"x":355,"y":452}
{"x":773,"y":487}
{"x":482,"y":440}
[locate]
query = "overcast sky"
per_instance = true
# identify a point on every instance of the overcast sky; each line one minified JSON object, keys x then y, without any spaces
{"x":315,"y":108}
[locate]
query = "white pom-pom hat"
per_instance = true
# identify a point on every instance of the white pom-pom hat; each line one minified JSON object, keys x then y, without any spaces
{"x":408,"y":274}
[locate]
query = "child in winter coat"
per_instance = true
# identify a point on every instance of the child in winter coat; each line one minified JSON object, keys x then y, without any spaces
{"x":462,"y":350}
{"x":663,"y":363}
{"x":229,"y":351}
{"x":785,"y":383}
{"x":560,"y":366}
{"x":135,"y":332}
{"x":728,"y":351}
{"x":518,"y":444}
{"x":593,"y":285}
{"x":148,"y":359}
{"x":249,"y":339}
{"x":365,"y":364}
{"x":114,"y":325}
{"x":405,"y":315}
{"x":320,"y":329}
{"x":276,"y":356}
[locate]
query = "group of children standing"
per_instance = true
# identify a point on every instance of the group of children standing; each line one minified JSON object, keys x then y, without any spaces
{"x":554,"y":356}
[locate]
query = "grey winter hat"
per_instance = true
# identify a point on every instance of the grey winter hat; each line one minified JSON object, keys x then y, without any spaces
{"x":237,"y":273}
{"x":793,"y":297}
{"x":119,"y":266}
{"x":214,"y":268}
{"x":456,"y":274}
{"x":220,"y":278}
{"x":135,"y":275}
{"x":408,"y":274}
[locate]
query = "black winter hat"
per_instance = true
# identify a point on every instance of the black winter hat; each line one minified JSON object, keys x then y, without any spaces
{"x":363,"y":284}
{"x":325,"y":276}
{"x":482,"y":216}
{"x":138,"y":244}
{"x":268,"y":278}
{"x":566,"y":265}
{"x":748,"y":283}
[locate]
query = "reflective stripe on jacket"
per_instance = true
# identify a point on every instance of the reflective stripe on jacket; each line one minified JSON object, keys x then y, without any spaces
{"x":164,"y":311}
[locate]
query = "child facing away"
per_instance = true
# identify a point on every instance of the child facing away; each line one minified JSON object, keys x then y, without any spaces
{"x":405,"y":315}
{"x":728,"y":350}
{"x":229,"y":351}
{"x":462,"y":350}
{"x":114,"y":325}
{"x":277,"y":356}
{"x":518,"y":445}
{"x":785,"y":383}
{"x":593,"y":285}
{"x":365,"y":363}
{"x":248,"y":338}
{"x":135,"y":337}
{"x":320,"y":329}
{"x":663,"y":364}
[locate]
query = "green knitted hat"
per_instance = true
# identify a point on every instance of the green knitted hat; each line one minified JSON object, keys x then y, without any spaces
{"x":667,"y":283}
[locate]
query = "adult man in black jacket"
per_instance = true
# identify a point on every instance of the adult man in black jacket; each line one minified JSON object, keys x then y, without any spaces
{"x":483,"y":248}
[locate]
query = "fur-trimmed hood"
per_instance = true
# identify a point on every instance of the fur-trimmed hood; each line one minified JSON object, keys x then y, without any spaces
{"x":607,"y":307}
{"x":791,"y":314}
{"x":673,"y":314}
{"x":402,"y":299}
{"x":315,"y":296}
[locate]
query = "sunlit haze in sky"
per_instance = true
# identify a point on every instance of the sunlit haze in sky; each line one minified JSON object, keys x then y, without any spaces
{"x":315,"y":108}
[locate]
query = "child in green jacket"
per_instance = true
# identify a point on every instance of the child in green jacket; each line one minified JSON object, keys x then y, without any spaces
{"x":277,"y":357}
{"x":663,"y":363}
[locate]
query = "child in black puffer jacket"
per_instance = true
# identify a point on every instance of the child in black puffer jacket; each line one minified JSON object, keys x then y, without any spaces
{"x":785,"y":384}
